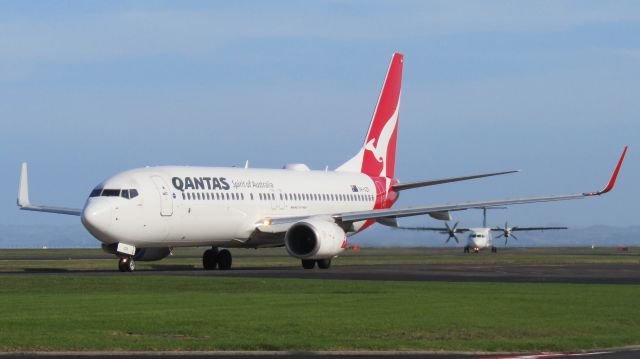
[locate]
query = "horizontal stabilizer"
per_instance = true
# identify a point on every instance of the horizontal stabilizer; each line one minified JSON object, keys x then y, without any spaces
{"x":402,"y":186}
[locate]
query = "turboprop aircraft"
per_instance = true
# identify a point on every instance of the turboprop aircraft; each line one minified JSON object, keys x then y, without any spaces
{"x":142,"y":214}
{"x":481,"y":237}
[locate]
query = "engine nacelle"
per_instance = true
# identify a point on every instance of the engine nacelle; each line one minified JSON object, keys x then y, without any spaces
{"x":315,"y":238}
{"x":151,"y":254}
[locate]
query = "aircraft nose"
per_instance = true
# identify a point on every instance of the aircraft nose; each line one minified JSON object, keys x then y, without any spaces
{"x":97,"y":218}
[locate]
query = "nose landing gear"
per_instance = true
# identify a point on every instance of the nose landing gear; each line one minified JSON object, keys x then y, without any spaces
{"x":213,"y":258}
{"x":126,"y":265}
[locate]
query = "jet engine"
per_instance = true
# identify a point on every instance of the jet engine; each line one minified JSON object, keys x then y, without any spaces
{"x":315,"y":238}
{"x":151,"y":254}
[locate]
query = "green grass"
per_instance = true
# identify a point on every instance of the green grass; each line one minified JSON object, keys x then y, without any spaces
{"x":205,"y":313}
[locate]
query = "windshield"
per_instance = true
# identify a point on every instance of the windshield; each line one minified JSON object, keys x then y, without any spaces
{"x":108,"y":192}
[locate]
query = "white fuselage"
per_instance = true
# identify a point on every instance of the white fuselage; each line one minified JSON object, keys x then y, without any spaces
{"x":198,"y":206}
{"x":479,"y":238}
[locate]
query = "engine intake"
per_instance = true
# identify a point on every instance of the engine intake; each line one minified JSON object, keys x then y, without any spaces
{"x":315,"y":239}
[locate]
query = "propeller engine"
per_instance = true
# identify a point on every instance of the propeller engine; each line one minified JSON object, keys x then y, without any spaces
{"x":507,"y":232}
{"x":451,"y":231}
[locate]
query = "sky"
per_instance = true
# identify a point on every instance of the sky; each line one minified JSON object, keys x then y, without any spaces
{"x":92,"y":88}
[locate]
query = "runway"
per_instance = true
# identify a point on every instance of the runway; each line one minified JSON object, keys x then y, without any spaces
{"x":539,"y":273}
{"x":621,"y":354}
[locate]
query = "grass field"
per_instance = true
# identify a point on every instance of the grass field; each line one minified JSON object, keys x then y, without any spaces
{"x":154,"y":312}
{"x":207,"y":313}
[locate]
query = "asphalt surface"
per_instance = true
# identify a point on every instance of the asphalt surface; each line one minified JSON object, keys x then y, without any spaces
{"x":621,"y":354}
{"x":538,"y":273}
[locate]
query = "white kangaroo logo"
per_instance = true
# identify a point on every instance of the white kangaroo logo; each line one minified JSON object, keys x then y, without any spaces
{"x":377,"y":154}
{"x":380,"y":150}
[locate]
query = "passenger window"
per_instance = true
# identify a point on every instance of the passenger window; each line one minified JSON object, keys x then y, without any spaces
{"x":124,"y":193}
{"x":189,"y":196}
{"x":183,"y":196}
{"x":251,"y":196}
{"x":227,"y":195}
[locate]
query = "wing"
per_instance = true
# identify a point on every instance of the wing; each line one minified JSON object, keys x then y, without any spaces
{"x":519,"y":229}
{"x":346,"y":219}
{"x":25,"y":204}
{"x":444,"y":230}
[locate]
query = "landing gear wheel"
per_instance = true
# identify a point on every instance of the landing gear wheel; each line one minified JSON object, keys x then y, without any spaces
{"x":210,"y":259}
{"x":494,"y":250}
{"x":324,"y":263}
{"x":126,"y":265}
{"x":224,"y":260}
{"x":308,"y":263}
{"x":466,"y":249}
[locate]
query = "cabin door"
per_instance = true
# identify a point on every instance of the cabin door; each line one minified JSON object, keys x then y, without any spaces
{"x":166,"y":202}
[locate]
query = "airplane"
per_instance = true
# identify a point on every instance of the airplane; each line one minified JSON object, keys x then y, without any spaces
{"x":481,"y":237}
{"x":142,"y":214}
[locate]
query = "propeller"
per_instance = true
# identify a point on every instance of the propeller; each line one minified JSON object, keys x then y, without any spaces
{"x":452,"y":232}
{"x":507,"y":232}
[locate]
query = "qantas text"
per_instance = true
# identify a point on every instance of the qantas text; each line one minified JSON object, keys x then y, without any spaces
{"x":203,"y":183}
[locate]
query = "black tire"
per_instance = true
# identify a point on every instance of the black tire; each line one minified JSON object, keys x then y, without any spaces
{"x":126,"y":265}
{"x":210,"y":259}
{"x":224,"y":260}
{"x":308,"y":263}
{"x":324,"y":263}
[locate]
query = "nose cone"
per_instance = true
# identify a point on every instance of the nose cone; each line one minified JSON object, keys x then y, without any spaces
{"x":97,"y":218}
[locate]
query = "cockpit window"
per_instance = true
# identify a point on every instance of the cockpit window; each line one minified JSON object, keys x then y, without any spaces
{"x":111,"y":193}
{"x":125,"y":193}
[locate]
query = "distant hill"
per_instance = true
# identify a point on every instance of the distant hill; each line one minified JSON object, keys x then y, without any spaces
{"x":75,"y":236}
{"x":51,"y":236}
{"x":581,"y":236}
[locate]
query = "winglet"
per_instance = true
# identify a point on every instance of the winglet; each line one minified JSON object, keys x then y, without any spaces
{"x":612,"y":180}
{"x":23,"y":190}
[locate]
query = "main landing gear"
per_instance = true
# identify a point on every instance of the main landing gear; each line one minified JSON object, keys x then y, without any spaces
{"x":126,"y":264}
{"x":213,"y":258}
{"x":494,"y":249}
{"x":322,"y":263}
